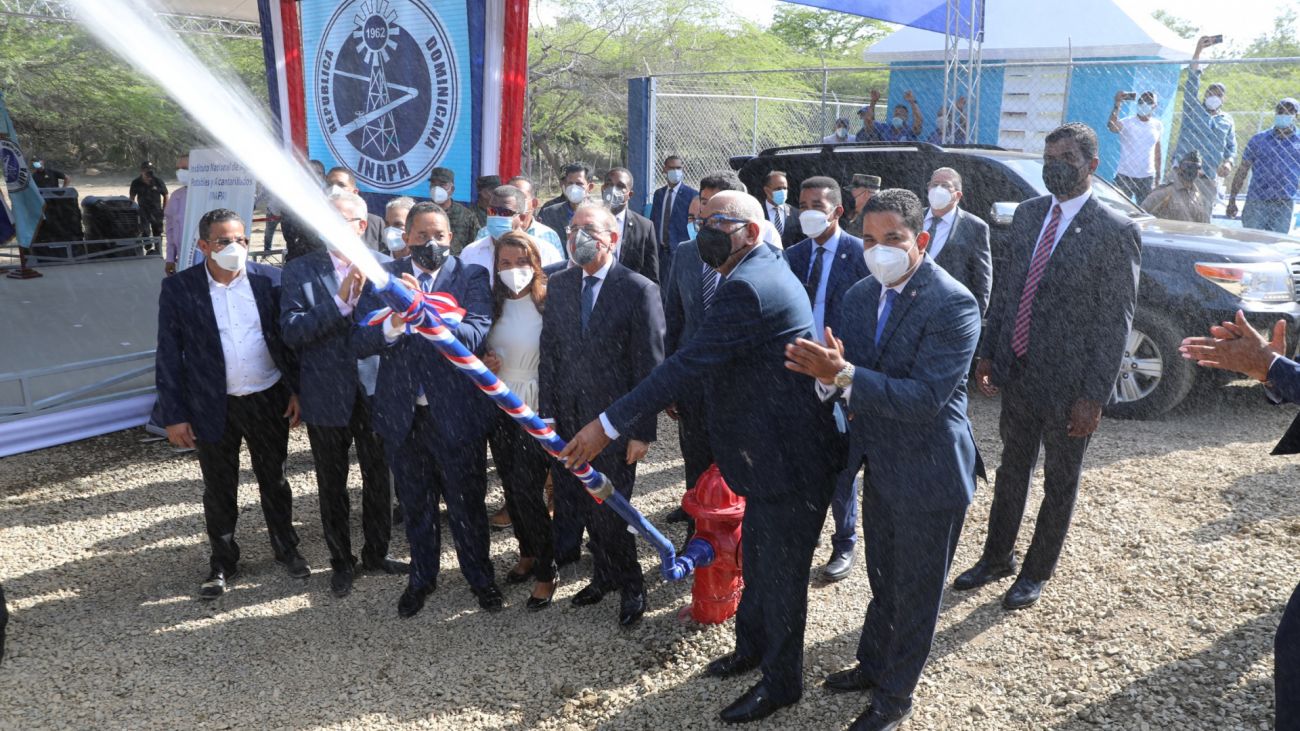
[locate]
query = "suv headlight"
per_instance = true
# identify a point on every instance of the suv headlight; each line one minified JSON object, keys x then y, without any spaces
{"x":1268,"y":281}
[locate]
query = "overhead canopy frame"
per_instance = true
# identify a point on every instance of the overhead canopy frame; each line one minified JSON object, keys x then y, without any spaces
{"x":224,"y":18}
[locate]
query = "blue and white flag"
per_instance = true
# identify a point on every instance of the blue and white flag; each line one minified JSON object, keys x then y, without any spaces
{"x":7,"y":229}
{"x":28,"y":205}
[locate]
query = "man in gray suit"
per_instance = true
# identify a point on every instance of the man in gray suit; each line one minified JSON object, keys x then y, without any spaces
{"x":959,"y":241}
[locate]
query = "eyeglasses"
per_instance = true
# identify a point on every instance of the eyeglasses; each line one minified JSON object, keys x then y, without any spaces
{"x":718,"y":220}
{"x":591,"y":230}
{"x":219,"y":244}
{"x":502,"y":211}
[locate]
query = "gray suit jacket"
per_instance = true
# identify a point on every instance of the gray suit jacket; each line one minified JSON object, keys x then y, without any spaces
{"x":968,"y":257}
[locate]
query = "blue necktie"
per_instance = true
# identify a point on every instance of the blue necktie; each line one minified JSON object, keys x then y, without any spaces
{"x":890,"y":296}
{"x":588,"y":299}
{"x":709,"y":280}
{"x":426,"y":282}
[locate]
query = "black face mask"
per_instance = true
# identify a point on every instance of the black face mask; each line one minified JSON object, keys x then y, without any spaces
{"x":429,"y":256}
{"x":714,"y":245}
{"x":1060,"y":177}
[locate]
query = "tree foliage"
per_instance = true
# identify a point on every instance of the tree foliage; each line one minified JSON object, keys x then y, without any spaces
{"x":826,"y":33}
{"x":1183,"y":27}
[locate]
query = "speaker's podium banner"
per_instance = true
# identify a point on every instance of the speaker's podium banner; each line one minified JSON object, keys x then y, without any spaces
{"x":392,"y":90}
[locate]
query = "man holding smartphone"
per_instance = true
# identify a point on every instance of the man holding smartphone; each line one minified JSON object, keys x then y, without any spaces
{"x":1139,"y":144}
{"x":1205,"y":127}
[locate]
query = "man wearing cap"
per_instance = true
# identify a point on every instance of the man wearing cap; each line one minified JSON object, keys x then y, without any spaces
{"x":47,"y":177}
{"x":1272,"y":158}
{"x":1205,"y":128}
{"x":484,"y":186}
{"x":442,"y":184}
{"x":862,"y":188}
{"x":1187,"y":195}
{"x":151,"y":194}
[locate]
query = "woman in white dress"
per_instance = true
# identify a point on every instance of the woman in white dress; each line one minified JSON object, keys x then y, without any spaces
{"x":519,"y":295}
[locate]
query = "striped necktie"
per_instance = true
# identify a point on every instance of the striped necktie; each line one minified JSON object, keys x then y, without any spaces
{"x":1037,"y":266}
{"x":709,"y":281}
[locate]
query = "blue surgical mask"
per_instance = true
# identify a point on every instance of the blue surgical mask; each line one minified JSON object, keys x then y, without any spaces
{"x":897,"y":122}
{"x":1145,"y":110}
{"x":690,"y":230}
{"x":778,"y":197}
{"x":498,"y":226}
{"x":1283,"y":121}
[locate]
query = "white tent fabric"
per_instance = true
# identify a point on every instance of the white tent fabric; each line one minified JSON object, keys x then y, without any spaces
{"x":228,"y":9}
{"x":1017,"y":30}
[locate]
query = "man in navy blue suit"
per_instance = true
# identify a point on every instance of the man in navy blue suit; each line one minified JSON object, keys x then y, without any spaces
{"x":774,"y":440}
{"x":668,"y":212}
{"x":1236,"y":346}
{"x":1056,"y":332}
{"x":433,"y":420}
{"x":899,"y":365}
{"x":602,"y":333}
{"x":319,"y":292}
{"x":225,"y":376}
{"x":829,"y":262}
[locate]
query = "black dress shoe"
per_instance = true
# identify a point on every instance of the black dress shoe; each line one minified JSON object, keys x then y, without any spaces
{"x":386,"y":565}
{"x":731,"y":664}
{"x":590,"y":594}
{"x":632,"y":608}
{"x":215,"y":585}
{"x":412,"y":601}
{"x":839,"y":567}
{"x":756,"y":703}
{"x":983,"y":573}
{"x":295,"y":564}
{"x":489,"y":598}
{"x":1024,"y":593}
{"x":678,"y":515}
{"x":875,"y":720}
{"x":341,"y":582}
{"x":853,"y":679}
{"x":537,"y":604}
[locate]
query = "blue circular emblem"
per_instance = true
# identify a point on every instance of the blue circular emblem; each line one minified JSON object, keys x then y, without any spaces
{"x":385,"y":81}
{"x":14,"y":165}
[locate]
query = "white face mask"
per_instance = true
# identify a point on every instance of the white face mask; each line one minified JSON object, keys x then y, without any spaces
{"x":675,"y":176}
{"x":939,"y":197}
{"x":575,"y":193}
{"x":1213,"y":103}
{"x":231,"y":258}
{"x":334,"y":190}
{"x":393,"y":238}
{"x":183,"y":176}
{"x":887,"y":264}
{"x":516,"y":279}
{"x":813,"y":223}
{"x":439,"y":194}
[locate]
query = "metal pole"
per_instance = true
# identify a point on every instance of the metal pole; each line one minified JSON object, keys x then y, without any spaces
{"x":825,"y":86}
{"x":753,"y":137}
{"x":1069,"y":77}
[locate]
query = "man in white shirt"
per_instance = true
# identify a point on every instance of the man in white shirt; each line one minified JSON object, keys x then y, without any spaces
{"x":510,"y":211}
{"x":225,"y":376}
{"x":1139,"y":145}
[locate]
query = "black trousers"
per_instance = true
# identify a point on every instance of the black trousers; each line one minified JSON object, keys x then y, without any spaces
{"x":777,"y":550}
{"x":908,"y":557}
{"x":153,"y":220}
{"x":1286,"y":667}
{"x":613,"y":548}
{"x":329,"y":451}
{"x":1024,"y":425}
{"x":258,"y":420}
{"x":523,"y":465}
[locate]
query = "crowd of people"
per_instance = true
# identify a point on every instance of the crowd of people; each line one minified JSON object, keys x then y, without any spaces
{"x":816,"y":347}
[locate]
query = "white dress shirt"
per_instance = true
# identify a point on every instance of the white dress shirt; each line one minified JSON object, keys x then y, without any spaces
{"x":249,"y":366}
{"x":826,"y":393}
{"x":341,"y":269}
{"x":484,"y":253}
{"x":941,"y":234}
{"x":621,"y":219}
{"x":1069,"y":209}
{"x":832,"y":247}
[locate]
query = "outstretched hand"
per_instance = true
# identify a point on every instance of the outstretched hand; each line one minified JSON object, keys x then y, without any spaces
{"x":1236,"y":346}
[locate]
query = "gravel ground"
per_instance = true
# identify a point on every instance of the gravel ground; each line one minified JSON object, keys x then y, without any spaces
{"x":1162,"y":615}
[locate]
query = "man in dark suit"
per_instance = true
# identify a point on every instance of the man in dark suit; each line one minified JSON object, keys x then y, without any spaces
{"x":602,"y":333}
{"x":829,"y":263}
{"x":636,"y":247}
{"x":783,"y":216}
{"x":320,"y":291}
{"x":959,"y":242}
{"x":576,"y":184}
{"x":225,"y":376}
{"x":433,"y":421}
{"x":861,"y":188}
{"x":1053,"y":342}
{"x":668,"y":211}
{"x":900,"y":366}
{"x":1236,"y":346}
{"x":775,"y":441}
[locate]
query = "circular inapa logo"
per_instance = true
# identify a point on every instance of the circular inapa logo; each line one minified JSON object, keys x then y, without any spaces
{"x":387,"y":93}
{"x":15,"y":167}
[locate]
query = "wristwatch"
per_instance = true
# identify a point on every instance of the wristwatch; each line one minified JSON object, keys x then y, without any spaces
{"x":844,"y":378}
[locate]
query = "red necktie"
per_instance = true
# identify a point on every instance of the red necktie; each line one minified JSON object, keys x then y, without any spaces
{"x":1025,"y":313}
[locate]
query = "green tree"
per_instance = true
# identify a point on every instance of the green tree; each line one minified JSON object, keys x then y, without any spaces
{"x":1183,"y":27}
{"x":826,"y":33}
{"x":1282,"y":41}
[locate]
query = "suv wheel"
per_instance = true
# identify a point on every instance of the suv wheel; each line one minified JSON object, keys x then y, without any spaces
{"x":1153,"y":377}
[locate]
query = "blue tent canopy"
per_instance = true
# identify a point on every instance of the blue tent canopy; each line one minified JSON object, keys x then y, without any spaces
{"x":923,"y":14}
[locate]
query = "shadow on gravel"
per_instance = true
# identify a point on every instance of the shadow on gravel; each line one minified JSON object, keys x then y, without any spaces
{"x":1254,"y":498}
{"x":1201,"y":691}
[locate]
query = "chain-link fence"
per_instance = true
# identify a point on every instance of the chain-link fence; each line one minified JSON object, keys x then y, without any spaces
{"x":709,"y":118}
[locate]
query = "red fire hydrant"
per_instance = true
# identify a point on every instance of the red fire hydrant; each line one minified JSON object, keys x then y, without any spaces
{"x":717,"y":512}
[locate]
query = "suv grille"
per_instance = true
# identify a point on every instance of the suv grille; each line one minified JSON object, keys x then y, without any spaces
{"x":1295,"y":277}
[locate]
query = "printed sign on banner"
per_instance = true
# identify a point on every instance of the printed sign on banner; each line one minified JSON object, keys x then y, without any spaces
{"x":388,"y":92}
{"x":216,"y":181}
